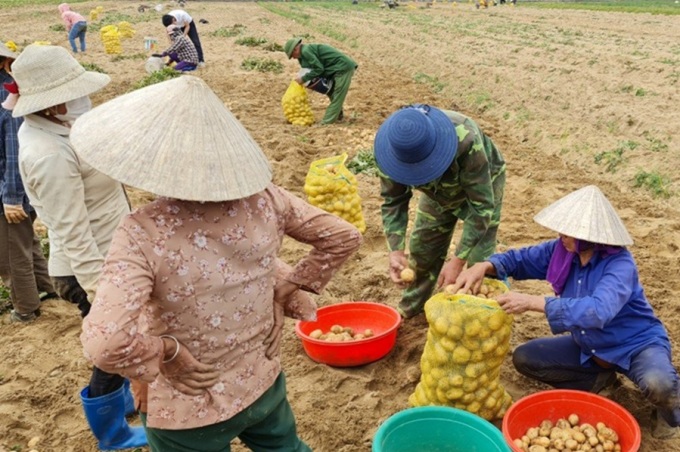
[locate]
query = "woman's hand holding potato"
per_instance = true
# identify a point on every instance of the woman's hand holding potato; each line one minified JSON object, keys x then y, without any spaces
{"x":470,"y":280}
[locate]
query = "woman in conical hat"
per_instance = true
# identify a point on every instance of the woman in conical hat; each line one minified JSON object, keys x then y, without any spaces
{"x":598,"y":300}
{"x":189,"y":303}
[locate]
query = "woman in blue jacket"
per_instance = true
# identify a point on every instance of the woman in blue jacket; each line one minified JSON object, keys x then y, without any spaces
{"x":598,"y":300}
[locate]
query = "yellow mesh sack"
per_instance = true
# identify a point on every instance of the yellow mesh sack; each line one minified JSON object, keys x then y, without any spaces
{"x":467,"y":340}
{"x":295,"y":105}
{"x":94,"y":15}
{"x":111,"y":39}
{"x":125,"y":30}
{"x":330,"y":186}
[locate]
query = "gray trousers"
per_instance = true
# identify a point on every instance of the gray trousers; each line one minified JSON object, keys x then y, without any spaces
{"x":23,"y":267}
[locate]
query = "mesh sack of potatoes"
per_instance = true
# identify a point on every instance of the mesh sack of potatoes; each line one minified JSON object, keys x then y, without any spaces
{"x":330,"y":186}
{"x":295,"y":103}
{"x":125,"y":30}
{"x":94,"y":15}
{"x":111,"y":39}
{"x":467,"y":340}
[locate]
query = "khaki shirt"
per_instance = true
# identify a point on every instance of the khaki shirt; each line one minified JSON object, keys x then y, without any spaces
{"x":80,"y":206}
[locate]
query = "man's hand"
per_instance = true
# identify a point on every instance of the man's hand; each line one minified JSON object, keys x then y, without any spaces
{"x":450,"y":271}
{"x":398,"y":262}
{"x":186,"y":373}
{"x":14,"y":213}
{"x":517,"y":303}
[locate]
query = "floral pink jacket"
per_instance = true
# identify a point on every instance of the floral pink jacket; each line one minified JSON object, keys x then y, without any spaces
{"x":204,"y":273}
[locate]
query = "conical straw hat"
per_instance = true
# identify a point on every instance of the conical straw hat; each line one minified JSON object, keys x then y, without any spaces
{"x":586,"y":215}
{"x":174,"y":139}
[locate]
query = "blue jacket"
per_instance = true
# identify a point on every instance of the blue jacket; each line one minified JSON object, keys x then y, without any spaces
{"x":603,"y":305}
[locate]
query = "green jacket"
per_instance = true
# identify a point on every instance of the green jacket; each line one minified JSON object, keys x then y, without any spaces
{"x":323,"y":61}
{"x":465,"y":189}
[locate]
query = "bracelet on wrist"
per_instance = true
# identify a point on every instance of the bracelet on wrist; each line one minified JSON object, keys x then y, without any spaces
{"x":177,"y":347}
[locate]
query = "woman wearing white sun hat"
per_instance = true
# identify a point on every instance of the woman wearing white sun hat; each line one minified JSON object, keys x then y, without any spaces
{"x":598,"y":300}
{"x":80,"y":207}
{"x":191,"y":299}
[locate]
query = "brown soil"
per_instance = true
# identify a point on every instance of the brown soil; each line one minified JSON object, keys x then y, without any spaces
{"x":555,"y":90}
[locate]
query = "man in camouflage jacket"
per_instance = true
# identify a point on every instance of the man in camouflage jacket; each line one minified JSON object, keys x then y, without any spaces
{"x":464,"y":182}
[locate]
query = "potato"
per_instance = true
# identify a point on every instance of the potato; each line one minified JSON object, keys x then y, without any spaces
{"x":573,"y":419}
{"x":450,"y":289}
{"x":407,"y":275}
{"x":368,"y":333}
{"x":316,"y":334}
{"x":337,"y":329}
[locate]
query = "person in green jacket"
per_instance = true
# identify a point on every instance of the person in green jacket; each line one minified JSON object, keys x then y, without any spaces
{"x":327,"y":62}
{"x":461,"y":175}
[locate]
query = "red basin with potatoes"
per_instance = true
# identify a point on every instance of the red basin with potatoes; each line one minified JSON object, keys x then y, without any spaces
{"x":554,"y":404}
{"x":358,"y":315}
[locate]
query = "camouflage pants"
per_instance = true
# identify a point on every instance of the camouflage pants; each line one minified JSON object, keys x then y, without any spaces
{"x":430,"y":240}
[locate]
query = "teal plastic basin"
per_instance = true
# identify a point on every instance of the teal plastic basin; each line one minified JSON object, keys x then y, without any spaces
{"x":438,"y":429}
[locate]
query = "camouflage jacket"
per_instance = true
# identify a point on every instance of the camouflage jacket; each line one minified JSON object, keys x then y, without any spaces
{"x":465,"y":189}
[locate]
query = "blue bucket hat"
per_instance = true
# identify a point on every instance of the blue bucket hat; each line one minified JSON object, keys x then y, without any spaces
{"x":415,"y":145}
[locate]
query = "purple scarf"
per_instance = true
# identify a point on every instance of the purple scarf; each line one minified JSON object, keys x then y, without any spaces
{"x":561,"y":259}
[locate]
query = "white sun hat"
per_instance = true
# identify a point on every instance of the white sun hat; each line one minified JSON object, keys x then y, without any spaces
{"x":586,"y":215}
{"x":49,"y":76}
{"x":175,"y":139}
{"x":5,"y":52}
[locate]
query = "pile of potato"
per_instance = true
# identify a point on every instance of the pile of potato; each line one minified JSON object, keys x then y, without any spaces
{"x":111,"y":39}
{"x":339,"y":333}
{"x":486,"y":290}
{"x":568,"y":435}
{"x":330,"y":186}
{"x":296,"y":107}
{"x":467,"y":342}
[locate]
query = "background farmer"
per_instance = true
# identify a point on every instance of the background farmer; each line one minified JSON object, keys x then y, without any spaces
{"x":80,"y":206}
{"x":461,"y":174}
{"x":324,"y":61}
{"x":181,"y":50}
{"x":598,"y":300}
{"x":76,"y":26}
{"x":23,"y":267}
{"x":191,"y":301}
{"x":184,"y":21}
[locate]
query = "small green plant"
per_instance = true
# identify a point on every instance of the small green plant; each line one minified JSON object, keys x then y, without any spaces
{"x":164,"y":74}
{"x":654,"y":182}
{"x":262,"y":65}
{"x":363,"y":162}
{"x":612,"y":159}
{"x":655,"y":144}
{"x":273,"y":47}
{"x":57,"y":27}
{"x":93,"y":67}
{"x":229,"y":32}
{"x":250,"y":41}
{"x":640,"y":92}
{"x":133,"y":56}
{"x":434,"y":82}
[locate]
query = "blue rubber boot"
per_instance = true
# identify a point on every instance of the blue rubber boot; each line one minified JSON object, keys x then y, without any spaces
{"x":129,"y":400}
{"x":106,"y":416}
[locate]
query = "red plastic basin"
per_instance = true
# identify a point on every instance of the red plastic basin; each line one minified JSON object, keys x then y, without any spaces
{"x":359,"y":315}
{"x":529,"y":411}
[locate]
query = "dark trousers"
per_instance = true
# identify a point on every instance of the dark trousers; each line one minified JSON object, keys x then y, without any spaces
{"x":23,"y":267}
{"x":193,"y":35}
{"x":557,"y":362}
{"x":68,"y":288}
{"x":267,"y":425}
